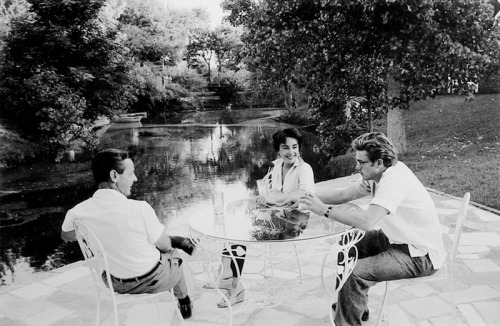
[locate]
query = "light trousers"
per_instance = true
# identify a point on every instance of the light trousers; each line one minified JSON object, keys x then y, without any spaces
{"x":378,"y":261}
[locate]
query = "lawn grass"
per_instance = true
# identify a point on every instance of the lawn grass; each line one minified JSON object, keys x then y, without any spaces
{"x":454,"y":146}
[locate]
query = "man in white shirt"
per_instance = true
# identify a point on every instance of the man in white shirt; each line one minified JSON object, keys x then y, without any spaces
{"x":141,"y":256}
{"x":403,"y":235}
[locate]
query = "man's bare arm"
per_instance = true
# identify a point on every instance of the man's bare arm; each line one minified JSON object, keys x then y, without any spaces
{"x":338,"y":196}
{"x":363,"y":219}
{"x":164,"y":243}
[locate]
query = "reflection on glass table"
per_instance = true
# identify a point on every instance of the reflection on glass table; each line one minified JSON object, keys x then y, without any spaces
{"x":276,"y":238}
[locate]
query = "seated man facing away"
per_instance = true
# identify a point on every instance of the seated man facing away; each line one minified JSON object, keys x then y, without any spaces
{"x":141,"y":256}
{"x":409,"y":242}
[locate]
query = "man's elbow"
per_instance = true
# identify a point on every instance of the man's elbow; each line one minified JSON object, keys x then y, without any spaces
{"x":365,"y":226}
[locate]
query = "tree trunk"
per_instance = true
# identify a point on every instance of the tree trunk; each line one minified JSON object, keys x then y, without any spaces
{"x":395,"y":122}
{"x":396,"y":129}
{"x":289,"y":95}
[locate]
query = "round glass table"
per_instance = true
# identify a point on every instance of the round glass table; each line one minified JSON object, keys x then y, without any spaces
{"x":275,"y":239}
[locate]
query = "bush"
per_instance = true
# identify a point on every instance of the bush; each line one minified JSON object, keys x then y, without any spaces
{"x":341,"y":166}
{"x":298,"y":116}
{"x":188,"y":78}
{"x":229,"y":91}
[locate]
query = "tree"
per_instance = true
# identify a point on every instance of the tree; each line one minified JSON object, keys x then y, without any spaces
{"x":61,"y":71}
{"x":228,"y":48}
{"x":386,"y":51}
{"x":202,"y":44}
{"x":10,"y":10}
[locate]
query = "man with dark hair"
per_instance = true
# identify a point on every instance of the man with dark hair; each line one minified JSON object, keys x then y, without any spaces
{"x":407,"y":242}
{"x":141,"y":256}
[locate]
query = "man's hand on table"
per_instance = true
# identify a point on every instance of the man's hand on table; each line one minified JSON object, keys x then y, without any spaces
{"x":310,"y":202}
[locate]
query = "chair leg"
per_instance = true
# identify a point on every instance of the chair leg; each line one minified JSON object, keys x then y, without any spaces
{"x":298,"y":261}
{"x":98,"y":310}
{"x":452,"y":301}
{"x":159,"y":310}
{"x":115,"y":311}
{"x":382,"y":308}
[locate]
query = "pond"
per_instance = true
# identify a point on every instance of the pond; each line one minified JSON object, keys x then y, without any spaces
{"x":174,"y":164}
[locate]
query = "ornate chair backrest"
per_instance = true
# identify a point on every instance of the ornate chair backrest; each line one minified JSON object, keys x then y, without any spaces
{"x":94,"y":254}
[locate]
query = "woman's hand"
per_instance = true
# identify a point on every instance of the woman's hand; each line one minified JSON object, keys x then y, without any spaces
{"x":287,"y":200}
{"x":271,"y":199}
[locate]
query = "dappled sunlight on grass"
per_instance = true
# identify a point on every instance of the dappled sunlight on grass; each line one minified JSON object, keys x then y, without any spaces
{"x":454,"y":146}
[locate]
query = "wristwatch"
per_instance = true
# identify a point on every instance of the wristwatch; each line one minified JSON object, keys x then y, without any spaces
{"x":328,"y":210}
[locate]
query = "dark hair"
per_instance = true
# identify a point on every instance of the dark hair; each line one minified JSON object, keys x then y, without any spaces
{"x":280,"y":137}
{"x":378,"y":146}
{"x":107,"y":160}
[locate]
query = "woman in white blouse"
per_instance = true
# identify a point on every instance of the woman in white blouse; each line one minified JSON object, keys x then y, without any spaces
{"x":288,"y":179}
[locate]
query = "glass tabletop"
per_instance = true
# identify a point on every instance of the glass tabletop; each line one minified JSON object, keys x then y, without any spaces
{"x":245,"y":221}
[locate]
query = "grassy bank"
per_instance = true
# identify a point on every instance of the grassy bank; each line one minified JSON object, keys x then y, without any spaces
{"x":454,"y":146}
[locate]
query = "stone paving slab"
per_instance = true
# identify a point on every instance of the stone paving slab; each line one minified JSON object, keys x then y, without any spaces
{"x":66,"y":296}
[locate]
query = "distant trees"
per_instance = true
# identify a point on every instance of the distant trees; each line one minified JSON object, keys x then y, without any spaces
{"x":201,"y":45}
{"x":61,"y":70}
{"x":357,"y":59}
{"x":65,"y":63}
{"x":221,"y":46}
{"x":10,"y":10}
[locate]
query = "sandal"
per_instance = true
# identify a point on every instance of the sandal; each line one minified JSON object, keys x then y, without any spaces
{"x":224,"y":284}
{"x":232,"y":299}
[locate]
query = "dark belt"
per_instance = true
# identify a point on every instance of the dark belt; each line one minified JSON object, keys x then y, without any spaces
{"x":138,"y":278}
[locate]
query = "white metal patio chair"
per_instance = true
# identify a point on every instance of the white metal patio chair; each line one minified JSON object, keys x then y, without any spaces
{"x":446,"y":271}
{"x":96,"y":259}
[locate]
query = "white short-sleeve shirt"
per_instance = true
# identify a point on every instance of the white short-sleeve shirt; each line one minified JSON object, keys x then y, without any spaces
{"x":412,"y":217}
{"x":299,"y":177}
{"x":127,"y":229}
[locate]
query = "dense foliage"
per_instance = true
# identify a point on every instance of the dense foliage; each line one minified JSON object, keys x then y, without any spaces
{"x":370,"y":56}
{"x":61,"y":70}
{"x":66,"y":63}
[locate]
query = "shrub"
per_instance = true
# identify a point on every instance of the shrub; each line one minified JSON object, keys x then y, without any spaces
{"x":188,"y":78}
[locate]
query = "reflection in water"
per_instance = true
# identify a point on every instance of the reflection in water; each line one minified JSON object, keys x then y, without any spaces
{"x":173,"y":166}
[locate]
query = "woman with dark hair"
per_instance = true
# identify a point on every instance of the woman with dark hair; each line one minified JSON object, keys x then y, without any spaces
{"x":288,"y":179}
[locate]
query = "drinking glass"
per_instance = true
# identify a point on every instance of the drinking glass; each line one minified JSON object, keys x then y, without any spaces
{"x":218,"y":202}
{"x":263,"y":187}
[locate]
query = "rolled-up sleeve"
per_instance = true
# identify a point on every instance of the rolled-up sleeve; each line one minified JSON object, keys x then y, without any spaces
{"x":306,"y":178}
{"x":154,"y":228}
{"x":67,"y":225}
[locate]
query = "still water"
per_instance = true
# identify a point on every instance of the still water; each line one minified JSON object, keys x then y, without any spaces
{"x":174,"y":165}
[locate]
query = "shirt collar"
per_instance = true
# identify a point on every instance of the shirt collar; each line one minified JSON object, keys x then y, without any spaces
{"x":387,"y":172}
{"x":298,"y":162}
{"x":108,"y":193}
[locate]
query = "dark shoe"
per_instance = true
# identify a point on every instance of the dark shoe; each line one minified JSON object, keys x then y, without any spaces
{"x":364,"y":316}
{"x":183,"y":243}
{"x":186,"y":309}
